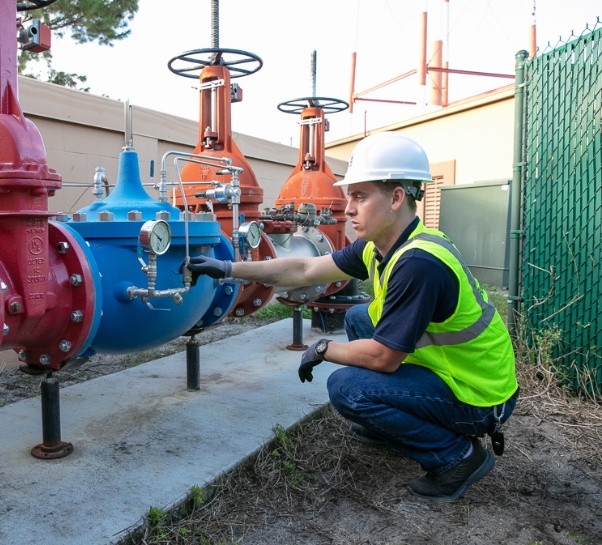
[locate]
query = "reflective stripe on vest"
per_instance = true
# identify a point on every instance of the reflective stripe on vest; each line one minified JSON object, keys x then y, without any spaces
{"x":487,"y":309}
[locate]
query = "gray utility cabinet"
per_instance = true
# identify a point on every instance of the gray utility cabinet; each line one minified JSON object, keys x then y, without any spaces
{"x":477,"y":219}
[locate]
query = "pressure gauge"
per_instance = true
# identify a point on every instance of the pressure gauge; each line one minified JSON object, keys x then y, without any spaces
{"x":251,"y":233}
{"x":155,"y":236}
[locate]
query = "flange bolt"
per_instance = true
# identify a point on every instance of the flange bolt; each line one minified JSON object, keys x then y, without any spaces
{"x":23,"y":355}
{"x":45,"y":359}
{"x":63,"y":247}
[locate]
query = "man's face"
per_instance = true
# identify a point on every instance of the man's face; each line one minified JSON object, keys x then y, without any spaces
{"x":369,"y":209}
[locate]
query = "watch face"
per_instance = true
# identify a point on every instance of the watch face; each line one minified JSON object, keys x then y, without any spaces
{"x":321,"y":347}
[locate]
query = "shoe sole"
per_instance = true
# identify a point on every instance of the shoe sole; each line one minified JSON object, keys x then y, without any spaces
{"x":487,"y":465}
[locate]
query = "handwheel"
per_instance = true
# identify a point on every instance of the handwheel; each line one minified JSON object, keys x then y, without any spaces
{"x":192,"y":65}
{"x":297,"y":105}
{"x":27,"y":5}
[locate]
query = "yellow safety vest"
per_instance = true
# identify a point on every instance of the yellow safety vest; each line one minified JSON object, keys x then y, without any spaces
{"x":471,"y":351}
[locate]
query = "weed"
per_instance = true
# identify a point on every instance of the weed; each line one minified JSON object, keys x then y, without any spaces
{"x":282,"y":437}
{"x":197,"y":497}
{"x":284,"y":451}
{"x":157,"y":522}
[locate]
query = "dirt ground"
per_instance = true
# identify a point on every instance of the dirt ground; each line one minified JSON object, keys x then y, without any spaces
{"x":315,"y":485}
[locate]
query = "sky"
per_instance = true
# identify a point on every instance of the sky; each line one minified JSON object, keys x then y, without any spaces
{"x":480,"y":35}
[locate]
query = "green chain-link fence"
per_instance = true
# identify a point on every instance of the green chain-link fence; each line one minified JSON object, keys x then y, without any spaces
{"x":561,"y":255}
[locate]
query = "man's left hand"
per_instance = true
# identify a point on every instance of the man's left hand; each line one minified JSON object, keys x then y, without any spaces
{"x":309,"y":360}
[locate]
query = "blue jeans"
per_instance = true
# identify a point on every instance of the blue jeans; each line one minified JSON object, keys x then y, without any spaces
{"x":412,"y":409}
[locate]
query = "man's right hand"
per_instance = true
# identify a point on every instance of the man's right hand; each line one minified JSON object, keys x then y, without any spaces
{"x":211,"y":267}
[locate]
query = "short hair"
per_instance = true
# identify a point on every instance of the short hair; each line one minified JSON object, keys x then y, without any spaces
{"x":413,"y":190}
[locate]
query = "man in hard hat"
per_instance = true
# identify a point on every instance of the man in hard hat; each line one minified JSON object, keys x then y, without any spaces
{"x":429,"y":366}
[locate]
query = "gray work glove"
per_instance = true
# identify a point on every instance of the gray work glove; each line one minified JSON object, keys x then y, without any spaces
{"x":211,"y":267}
{"x":313,"y":356}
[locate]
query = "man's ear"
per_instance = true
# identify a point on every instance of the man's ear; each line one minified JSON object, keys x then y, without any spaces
{"x":397,"y":197}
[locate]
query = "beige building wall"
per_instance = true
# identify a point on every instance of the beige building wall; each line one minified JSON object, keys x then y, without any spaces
{"x":82,"y":132}
{"x":476,"y":133}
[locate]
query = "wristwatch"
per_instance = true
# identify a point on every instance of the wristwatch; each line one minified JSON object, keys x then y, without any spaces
{"x":322,"y":346}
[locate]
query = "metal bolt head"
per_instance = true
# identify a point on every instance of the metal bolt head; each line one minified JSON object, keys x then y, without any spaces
{"x":61,"y":216}
{"x":217,"y":311}
{"x":105,"y":215}
{"x":228,"y":290}
{"x":257,"y":302}
{"x":15,"y":307}
{"x":45,"y":359}
{"x":240,"y":311}
{"x":23,"y":355}
{"x":77,"y":316}
{"x":65,"y":345}
{"x":76,"y":280}
{"x":63,"y":247}
{"x":5,"y":330}
{"x":134,"y":215}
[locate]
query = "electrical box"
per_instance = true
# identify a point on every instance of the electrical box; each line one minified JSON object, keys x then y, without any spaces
{"x":36,"y":37}
{"x":476,"y":217}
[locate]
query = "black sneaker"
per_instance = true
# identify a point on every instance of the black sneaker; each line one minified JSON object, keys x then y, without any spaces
{"x":360,"y":433}
{"x":454,"y":483}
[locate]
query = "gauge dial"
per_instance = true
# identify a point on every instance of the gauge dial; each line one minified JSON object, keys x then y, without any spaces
{"x":251,"y":232}
{"x":155,"y":236}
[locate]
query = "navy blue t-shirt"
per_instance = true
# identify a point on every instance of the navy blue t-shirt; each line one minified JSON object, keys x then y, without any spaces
{"x":421,"y":289}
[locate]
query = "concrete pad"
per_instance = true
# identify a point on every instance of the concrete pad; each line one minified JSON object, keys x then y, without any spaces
{"x":141,"y":439}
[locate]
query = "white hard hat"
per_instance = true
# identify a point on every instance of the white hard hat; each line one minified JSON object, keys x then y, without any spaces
{"x":387,"y":156}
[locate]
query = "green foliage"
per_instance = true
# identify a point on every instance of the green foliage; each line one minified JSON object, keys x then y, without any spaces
{"x":284,"y":452}
{"x":102,"y":21}
{"x":366,"y":286}
{"x":197,"y":497}
{"x":280,"y":312}
{"x":157,"y":520}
